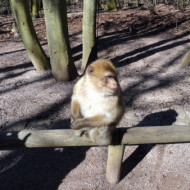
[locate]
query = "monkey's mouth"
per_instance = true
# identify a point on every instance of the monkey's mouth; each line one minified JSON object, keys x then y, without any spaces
{"x":111,"y":91}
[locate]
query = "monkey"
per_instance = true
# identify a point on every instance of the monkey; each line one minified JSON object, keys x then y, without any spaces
{"x":97,"y":104}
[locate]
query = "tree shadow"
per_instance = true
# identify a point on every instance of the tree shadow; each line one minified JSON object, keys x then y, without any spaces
{"x":107,"y":40}
{"x":117,"y":38}
{"x":13,"y":75}
{"x":40,"y":169}
{"x":123,"y":60}
{"x":40,"y":120}
{"x":133,"y":91}
{"x":15,"y":51}
{"x":16,"y":67}
{"x":162,"y":118}
{"x":48,"y":76}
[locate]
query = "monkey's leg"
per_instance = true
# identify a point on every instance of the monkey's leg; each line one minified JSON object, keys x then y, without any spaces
{"x":104,"y":136}
{"x":90,"y":122}
{"x":99,"y":135}
{"x":91,"y":134}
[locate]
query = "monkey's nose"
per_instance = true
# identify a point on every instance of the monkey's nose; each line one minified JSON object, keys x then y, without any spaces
{"x":113,"y":86}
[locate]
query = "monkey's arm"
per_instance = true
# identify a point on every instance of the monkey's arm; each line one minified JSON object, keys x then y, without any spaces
{"x":75,"y":111}
{"x":90,"y":122}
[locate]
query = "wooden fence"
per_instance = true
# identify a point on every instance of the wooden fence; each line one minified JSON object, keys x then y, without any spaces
{"x":122,"y":137}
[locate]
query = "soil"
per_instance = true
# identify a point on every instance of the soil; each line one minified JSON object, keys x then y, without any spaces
{"x":156,"y":92}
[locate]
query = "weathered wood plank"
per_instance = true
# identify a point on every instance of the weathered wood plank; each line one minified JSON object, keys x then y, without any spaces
{"x":41,"y":138}
{"x":65,"y":137}
{"x":156,"y":135}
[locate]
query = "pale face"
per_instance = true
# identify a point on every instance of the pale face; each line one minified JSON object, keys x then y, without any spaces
{"x":111,"y":82}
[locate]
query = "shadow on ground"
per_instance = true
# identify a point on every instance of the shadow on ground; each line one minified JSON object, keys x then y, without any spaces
{"x":162,"y":118}
{"x":40,"y":169}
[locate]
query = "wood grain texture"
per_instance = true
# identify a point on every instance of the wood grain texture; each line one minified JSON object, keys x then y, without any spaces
{"x":66,"y":137}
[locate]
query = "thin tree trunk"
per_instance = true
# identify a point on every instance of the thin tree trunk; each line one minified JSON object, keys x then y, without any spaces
{"x":110,"y":5}
{"x":28,"y":34}
{"x":185,"y":60}
{"x":35,"y":9}
{"x":89,"y":33}
{"x":62,"y":63}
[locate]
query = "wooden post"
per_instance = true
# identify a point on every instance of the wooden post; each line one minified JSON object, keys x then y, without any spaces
{"x":115,"y":156}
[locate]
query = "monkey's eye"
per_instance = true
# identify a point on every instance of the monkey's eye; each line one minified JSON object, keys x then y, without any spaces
{"x":111,"y":77}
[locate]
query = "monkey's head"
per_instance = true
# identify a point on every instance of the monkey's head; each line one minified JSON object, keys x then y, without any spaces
{"x":103,"y":75}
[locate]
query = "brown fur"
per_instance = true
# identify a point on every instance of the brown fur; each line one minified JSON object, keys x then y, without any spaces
{"x":97,"y":105}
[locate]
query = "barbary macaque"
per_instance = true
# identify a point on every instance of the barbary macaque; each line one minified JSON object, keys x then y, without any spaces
{"x":97,"y":104}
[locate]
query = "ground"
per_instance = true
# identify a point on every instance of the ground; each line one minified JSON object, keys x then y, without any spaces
{"x":156,"y":93}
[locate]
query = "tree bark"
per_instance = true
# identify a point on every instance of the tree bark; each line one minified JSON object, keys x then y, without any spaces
{"x":89,"y":33}
{"x":62,"y":63}
{"x":35,"y":9}
{"x":28,"y":35}
{"x":110,"y":5}
{"x":185,"y":60}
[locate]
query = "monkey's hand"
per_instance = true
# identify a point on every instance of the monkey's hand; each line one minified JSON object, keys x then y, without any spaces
{"x":76,"y":124}
{"x":90,"y":122}
{"x":80,"y":132}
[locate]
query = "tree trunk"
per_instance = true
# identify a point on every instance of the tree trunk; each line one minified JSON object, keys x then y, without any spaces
{"x":35,"y":9}
{"x":62,"y":63}
{"x":110,"y":5}
{"x":185,"y":60}
{"x":89,"y":33}
{"x":28,"y":34}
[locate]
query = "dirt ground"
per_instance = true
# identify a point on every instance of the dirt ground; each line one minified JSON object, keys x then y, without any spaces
{"x":156,"y":92}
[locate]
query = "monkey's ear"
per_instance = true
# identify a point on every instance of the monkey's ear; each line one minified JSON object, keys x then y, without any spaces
{"x":90,"y":70}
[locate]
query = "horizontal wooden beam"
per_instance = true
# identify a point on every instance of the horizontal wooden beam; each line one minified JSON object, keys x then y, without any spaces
{"x":41,"y":138}
{"x":156,"y":135}
{"x":66,"y":137}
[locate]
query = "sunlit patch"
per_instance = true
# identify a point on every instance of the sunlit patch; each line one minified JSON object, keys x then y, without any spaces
{"x":187,"y":109}
{"x":9,"y":134}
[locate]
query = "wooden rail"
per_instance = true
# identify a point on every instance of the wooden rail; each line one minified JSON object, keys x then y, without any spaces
{"x":66,"y":137}
{"x":122,"y":136}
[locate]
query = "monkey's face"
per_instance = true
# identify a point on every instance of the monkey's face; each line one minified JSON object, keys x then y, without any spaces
{"x":103,"y":76}
{"x":109,"y":84}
